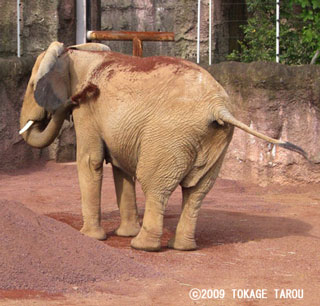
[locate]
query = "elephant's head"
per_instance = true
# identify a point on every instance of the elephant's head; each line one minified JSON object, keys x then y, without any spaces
{"x":47,"y":99}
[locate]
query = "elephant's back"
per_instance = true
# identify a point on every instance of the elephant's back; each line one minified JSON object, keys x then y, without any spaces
{"x":157,"y":80}
{"x":140,"y":94}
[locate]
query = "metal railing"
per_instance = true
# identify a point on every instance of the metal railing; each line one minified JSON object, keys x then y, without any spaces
{"x":136,"y":37}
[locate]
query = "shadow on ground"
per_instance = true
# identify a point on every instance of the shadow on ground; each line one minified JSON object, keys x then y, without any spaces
{"x":215,"y":227}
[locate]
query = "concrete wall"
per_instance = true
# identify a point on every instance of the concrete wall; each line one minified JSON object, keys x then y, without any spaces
{"x":278,"y":100}
{"x":282,"y":102}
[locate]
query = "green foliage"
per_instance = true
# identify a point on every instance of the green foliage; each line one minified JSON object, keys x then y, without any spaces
{"x":299,"y":32}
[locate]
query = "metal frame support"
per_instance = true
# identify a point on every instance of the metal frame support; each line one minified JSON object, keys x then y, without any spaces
{"x":81,"y":37}
{"x":136,"y":37}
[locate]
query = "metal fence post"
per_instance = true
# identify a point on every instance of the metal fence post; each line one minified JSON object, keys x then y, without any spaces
{"x":18,"y":29}
{"x":277,"y":31}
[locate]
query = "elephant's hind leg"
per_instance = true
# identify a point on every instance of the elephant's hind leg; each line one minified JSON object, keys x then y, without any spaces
{"x":149,"y":237}
{"x":90,"y":158}
{"x":184,"y":238}
{"x":158,"y":180}
{"x":126,"y":199}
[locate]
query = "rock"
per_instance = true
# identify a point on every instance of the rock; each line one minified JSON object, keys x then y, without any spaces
{"x":8,"y":29}
{"x":41,"y":23}
{"x":14,"y":75}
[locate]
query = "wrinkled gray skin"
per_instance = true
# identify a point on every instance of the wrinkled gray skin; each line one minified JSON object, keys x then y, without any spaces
{"x":160,"y":120}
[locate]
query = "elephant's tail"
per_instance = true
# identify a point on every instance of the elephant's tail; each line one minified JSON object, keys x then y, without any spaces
{"x":226,"y":116}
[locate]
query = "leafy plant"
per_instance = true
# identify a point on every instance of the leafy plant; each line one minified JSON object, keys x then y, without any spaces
{"x":299,"y":32}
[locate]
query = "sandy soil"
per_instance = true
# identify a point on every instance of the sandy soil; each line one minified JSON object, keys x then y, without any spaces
{"x":249,"y":237}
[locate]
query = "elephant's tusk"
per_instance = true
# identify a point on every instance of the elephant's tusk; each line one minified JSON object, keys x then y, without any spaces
{"x":26,"y":127}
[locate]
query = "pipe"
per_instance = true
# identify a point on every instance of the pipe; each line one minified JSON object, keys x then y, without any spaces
{"x":81,"y":36}
{"x":130,"y":35}
{"x":277,"y":31}
{"x":18,"y":29}
{"x":198,"y":34}
{"x":210,"y":32}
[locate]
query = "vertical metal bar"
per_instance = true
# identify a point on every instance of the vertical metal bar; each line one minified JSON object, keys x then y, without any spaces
{"x":18,"y":29}
{"x":277,"y":31}
{"x":137,"y":47}
{"x":198,"y":35}
{"x":210,"y":32}
{"x":81,"y":36}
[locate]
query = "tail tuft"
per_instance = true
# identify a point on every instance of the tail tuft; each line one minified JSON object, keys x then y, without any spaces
{"x":294,"y":148}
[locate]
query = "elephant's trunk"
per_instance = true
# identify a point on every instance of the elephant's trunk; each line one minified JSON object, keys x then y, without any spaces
{"x":37,"y":137}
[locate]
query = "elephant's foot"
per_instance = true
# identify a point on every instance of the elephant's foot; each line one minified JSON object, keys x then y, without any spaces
{"x":94,"y":232}
{"x":146,"y":242}
{"x":128,"y":229}
{"x":182,"y":244}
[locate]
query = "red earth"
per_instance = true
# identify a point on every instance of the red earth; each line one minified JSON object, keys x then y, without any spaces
{"x":257,"y":246}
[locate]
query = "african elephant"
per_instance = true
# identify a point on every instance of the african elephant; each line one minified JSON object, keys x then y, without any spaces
{"x":161,"y":120}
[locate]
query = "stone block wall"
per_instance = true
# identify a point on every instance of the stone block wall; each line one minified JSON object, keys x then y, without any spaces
{"x":139,"y":15}
{"x":179,"y":17}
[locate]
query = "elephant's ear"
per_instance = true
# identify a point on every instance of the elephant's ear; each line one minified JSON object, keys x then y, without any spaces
{"x":52,"y":84}
{"x":90,"y":47}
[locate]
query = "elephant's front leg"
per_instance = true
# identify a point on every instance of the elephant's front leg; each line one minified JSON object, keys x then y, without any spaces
{"x":90,"y":158}
{"x":126,"y":199}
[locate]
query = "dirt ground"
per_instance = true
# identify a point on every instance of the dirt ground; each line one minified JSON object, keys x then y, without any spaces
{"x":253,"y":242}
